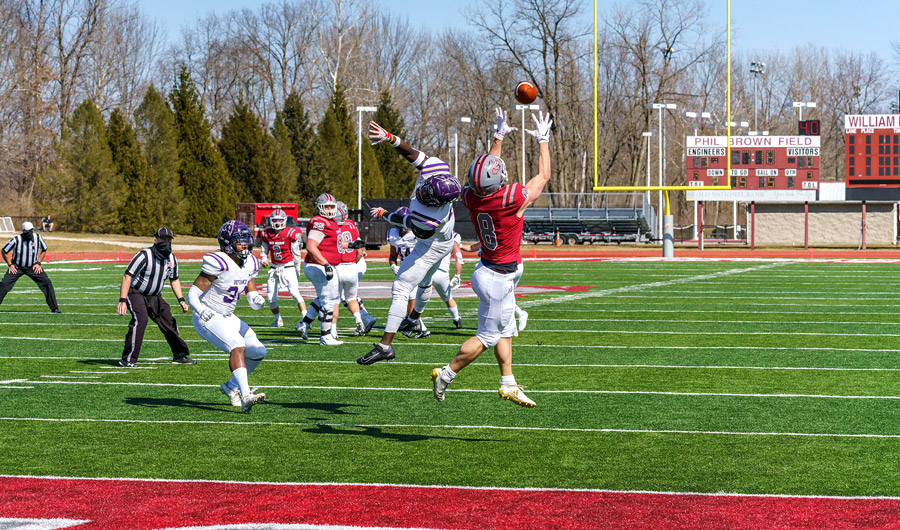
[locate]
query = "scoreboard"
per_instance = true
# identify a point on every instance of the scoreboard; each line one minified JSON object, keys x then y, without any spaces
{"x":872,"y":156}
{"x":757,"y":162}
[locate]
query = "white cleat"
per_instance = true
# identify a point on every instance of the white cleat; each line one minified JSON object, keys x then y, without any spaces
{"x":278,"y":323}
{"x":234,"y":394}
{"x":440,"y":386}
{"x":523,"y":320}
{"x":329,"y":340}
{"x":252,"y":399}
{"x":302,"y":329}
{"x":515,"y":394}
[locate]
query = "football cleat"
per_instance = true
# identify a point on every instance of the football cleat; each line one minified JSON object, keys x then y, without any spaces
{"x":234,"y":394}
{"x":377,"y":354}
{"x":458,"y":323}
{"x":278,"y":323}
{"x":515,"y":394}
{"x":126,"y":364}
{"x":329,"y":340}
{"x":360,"y":330}
{"x":251,"y":399}
{"x":416,"y":331}
{"x":440,"y":386}
{"x":302,"y":329}
{"x":184,"y":359}
{"x":407,"y":324}
{"x":523,"y":319}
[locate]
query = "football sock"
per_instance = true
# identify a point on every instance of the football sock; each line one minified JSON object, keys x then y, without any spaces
{"x":508,"y":380}
{"x":240,"y":375}
{"x":447,"y":374}
{"x":358,"y":317}
{"x":454,"y":312}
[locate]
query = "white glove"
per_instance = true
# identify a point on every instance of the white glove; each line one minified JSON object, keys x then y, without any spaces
{"x":502,"y":127}
{"x":395,"y":268}
{"x":206,"y":314}
{"x":454,"y":282}
{"x":542,"y":126}
{"x":378,"y":134}
{"x":255,"y":300}
{"x":377,"y":213}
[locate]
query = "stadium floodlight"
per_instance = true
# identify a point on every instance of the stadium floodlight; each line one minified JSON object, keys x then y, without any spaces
{"x":462,"y":119}
{"x":662,"y":134}
{"x":757,"y":68}
{"x":695,"y":115}
{"x":735,"y":124}
{"x":800,"y":105}
{"x":523,"y":108}
{"x":360,"y":110}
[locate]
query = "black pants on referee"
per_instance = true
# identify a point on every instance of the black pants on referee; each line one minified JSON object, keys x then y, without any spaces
{"x":42,"y":280}
{"x":143,"y":309}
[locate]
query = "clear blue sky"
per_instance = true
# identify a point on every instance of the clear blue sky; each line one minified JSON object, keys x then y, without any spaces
{"x":859,"y":25}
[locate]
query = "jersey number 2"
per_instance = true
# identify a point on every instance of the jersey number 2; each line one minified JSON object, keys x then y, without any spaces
{"x":486,"y":230}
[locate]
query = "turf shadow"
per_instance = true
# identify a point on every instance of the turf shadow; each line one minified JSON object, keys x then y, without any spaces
{"x":175,"y":402}
{"x":330,"y":408}
{"x":375,"y":432}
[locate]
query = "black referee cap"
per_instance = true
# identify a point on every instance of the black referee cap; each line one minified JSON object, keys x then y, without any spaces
{"x":164,"y":232}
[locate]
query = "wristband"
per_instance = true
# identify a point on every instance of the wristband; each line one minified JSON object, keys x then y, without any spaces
{"x":181,"y":299}
{"x":123,"y":300}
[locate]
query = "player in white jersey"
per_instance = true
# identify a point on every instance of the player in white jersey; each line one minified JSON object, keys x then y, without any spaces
{"x":224,"y":275}
{"x":430,"y":218}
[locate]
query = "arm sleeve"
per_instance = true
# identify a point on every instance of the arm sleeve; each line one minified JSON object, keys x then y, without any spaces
{"x":193,"y":299}
{"x":137,"y":264}
{"x":42,"y":245}
{"x":174,"y":267}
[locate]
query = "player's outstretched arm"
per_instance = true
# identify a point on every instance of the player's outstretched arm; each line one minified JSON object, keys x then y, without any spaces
{"x":541,"y":133}
{"x":378,"y":134}
{"x":503,"y":129}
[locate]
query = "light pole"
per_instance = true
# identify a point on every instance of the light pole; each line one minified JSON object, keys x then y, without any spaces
{"x":463,"y":119}
{"x":695,"y":115}
{"x":735,"y":124}
{"x":523,"y":108}
{"x":800,"y":105}
{"x":647,"y":135}
{"x":662,"y":133}
{"x":360,"y":110}
{"x":756,"y":68}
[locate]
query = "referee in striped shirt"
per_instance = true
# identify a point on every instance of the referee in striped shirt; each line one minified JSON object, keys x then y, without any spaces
{"x":140,"y":294}
{"x":23,"y":255}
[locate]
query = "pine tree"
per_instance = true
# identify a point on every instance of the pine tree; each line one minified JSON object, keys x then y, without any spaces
{"x":337,"y":149}
{"x":84,"y":185}
{"x":304,"y":146}
{"x":208,"y":191}
{"x":280,"y":162}
{"x":399,"y":175}
{"x":243,"y":149}
{"x":155,"y":128}
{"x":131,"y":166}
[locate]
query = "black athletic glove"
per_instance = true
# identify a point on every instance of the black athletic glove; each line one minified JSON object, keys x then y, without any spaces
{"x":359,"y":243}
{"x":329,"y":272}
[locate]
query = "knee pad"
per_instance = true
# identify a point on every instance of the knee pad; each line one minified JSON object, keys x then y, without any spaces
{"x":255,"y":352}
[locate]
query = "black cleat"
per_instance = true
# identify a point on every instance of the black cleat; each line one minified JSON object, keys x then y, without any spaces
{"x":377,"y":354}
{"x":183,"y":360}
{"x":57,"y":310}
{"x":458,"y":323}
{"x":407,"y":325}
{"x":125,"y":364}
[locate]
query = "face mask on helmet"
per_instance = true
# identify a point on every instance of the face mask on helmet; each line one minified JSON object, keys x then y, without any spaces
{"x":326,"y":205}
{"x":342,"y":213}
{"x":278,"y":219}
{"x":236,"y":239}
{"x":439,"y":189}
{"x":486,"y":175}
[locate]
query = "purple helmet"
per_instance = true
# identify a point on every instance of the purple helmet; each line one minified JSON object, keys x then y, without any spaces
{"x":342,"y":213}
{"x":438,"y":189}
{"x":234,"y":233}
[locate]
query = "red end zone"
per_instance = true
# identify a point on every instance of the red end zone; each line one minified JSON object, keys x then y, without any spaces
{"x":152,"y":504}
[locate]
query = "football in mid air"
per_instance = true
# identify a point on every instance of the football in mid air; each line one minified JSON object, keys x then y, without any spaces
{"x":526,"y":92}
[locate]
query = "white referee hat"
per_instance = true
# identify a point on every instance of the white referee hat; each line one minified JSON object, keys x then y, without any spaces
{"x":26,"y":226}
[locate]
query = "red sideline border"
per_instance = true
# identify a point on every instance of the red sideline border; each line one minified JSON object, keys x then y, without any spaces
{"x":133,"y":504}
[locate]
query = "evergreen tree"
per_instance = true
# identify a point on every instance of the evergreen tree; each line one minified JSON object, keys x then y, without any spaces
{"x":243,"y":148}
{"x":84,"y":185}
{"x":280,"y":162}
{"x":399,"y":175}
{"x":131,"y":166}
{"x":337,"y":149}
{"x":208,"y":191}
{"x":304,"y":146}
{"x":155,"y":128}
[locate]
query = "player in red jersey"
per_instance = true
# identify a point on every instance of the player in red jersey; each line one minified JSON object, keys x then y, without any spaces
{"x":497,"y":210}
{"x":281,"y":244}
{"x":322,"y":256}
{"x":350,"y":271}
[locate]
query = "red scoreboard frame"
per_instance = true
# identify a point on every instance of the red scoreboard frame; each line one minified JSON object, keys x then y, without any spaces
{"x":757,"y":162}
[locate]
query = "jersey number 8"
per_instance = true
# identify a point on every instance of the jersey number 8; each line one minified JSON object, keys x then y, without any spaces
{"x":486,"y":231}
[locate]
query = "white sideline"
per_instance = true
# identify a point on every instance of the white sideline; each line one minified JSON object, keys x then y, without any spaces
{"x":441,"y":427}
{"x":435,"y":486}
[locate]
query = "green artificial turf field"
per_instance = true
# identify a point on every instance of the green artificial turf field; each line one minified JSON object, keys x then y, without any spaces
{"x":748,"y":377}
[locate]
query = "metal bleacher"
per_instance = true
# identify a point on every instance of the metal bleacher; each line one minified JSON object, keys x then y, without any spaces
{"x":589,"y":218}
